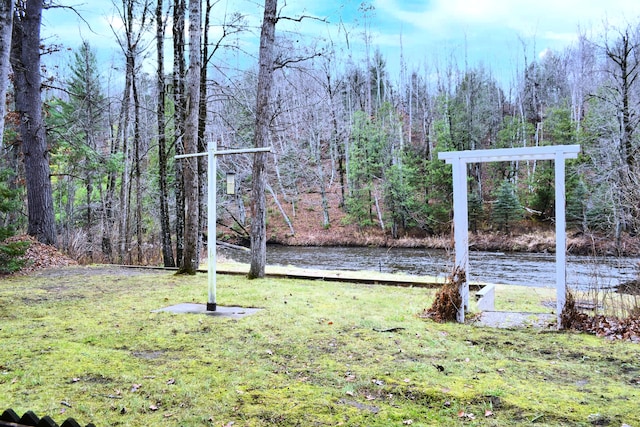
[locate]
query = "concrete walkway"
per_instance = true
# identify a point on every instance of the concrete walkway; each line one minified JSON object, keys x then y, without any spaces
{"x":509,"y":319}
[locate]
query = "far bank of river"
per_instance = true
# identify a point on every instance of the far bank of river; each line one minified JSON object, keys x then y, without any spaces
{"x":512,"y":268}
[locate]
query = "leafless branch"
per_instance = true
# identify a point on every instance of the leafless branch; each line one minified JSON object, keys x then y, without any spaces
{"x":72,"y":9}
{"x":281,"y":64}
{"x":300,"y":18}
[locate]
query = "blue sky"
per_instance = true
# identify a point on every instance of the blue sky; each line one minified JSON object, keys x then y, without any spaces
{"x":429,"y":33}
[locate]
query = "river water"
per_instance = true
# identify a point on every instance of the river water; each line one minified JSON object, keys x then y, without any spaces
{"x":514,"y":268}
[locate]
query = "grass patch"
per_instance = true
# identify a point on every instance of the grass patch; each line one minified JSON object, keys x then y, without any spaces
{"x":319,"y":353}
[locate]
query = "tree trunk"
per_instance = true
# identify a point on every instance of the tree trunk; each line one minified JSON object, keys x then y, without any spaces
{"x":191,"y":255}
{"x":137,"y":170}
{"x":281,"y":209}
{"x":165,"y":227}
{"x":25,"y":60}
{"x":6,"y":27}
{"x":123,"y":127}
{"x":202,"y":124}
{"x":179,"y":99}
{"x":258,"y":202}
{"x":89,"y":189}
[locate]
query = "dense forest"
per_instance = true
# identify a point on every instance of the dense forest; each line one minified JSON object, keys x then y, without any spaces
{"x":344,"y":132}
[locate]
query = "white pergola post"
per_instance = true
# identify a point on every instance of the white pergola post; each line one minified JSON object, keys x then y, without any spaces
{"x":561,"y":237}
{"x":459,"y":161}
{"x":211,"y":211}
{"x":460,"y":232}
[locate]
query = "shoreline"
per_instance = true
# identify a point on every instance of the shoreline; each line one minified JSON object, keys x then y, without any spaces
{"x":539,"y":242}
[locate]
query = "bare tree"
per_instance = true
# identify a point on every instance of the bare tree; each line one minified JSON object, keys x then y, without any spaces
{"x":624,"y":53}
{"x":165,"y":228}
{"x":6,"y":26}
{"x":135,"y":16}
{"x":25,"y":60}
{"x":261,"y":137}
{"x":179,"y":66}
{"x":191,"y":256}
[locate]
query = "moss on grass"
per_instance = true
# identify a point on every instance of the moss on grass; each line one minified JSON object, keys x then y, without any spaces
{"x":318,"y":354}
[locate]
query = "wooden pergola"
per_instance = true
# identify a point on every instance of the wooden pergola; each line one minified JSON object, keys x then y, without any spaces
{"x":459,"y":160}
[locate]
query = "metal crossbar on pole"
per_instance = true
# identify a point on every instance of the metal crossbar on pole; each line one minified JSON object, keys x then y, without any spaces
{"x":211,"y":210}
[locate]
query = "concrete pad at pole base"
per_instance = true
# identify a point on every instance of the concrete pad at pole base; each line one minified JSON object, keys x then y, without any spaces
{"x":192,"y":308}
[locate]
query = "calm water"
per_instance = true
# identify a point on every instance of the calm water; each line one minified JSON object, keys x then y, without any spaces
{"x":527,"y":269}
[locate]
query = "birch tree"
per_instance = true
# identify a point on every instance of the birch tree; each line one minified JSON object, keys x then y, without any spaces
{"x":6,"y":27}
{"x":179,"y":67}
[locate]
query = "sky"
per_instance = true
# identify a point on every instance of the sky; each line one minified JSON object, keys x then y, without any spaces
{"x":422,"y":34}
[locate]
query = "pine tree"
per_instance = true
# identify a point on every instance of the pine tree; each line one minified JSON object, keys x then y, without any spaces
{"x":476,"y":211}
{"x":507,"y":208}
{"x":10,"y":252}
{"x":80,"y":131}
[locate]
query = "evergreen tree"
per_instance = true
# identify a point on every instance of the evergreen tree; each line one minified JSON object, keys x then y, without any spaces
{"x":365,"y":166}
{"x":577,"y":205}
{"x":78,"y":126}
{"x":10,"y":252}
{"x":476,"y":211}
{"x":507,"y":208}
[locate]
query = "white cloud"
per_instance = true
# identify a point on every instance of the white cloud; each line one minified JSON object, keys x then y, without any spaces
{"x":557,"y":18}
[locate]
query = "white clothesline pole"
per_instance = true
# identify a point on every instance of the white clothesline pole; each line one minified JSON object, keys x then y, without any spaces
{"x":211,"y":211}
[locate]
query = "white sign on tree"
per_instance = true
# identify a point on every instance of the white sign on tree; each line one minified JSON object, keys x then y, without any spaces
{"x":459,"y":160}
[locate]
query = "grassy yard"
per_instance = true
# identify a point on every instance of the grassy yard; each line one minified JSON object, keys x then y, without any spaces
{"x":83,"y":342}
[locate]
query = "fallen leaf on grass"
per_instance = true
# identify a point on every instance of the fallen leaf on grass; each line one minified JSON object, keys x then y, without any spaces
{"x":467,"y":415}
{"x":407,"y":422}
{"x":153,"y":407}
{"x":488,"y":413}
{"x":135,"y":387}
{"x":171,"y":381}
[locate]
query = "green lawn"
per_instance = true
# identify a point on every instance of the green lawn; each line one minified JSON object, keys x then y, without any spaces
{"x":83,"y":342}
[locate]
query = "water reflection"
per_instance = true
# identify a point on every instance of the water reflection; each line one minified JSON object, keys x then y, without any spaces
{"x":528,"y":269}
